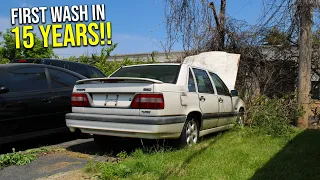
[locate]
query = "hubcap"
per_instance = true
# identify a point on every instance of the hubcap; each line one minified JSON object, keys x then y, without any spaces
{"x":192,"y":133}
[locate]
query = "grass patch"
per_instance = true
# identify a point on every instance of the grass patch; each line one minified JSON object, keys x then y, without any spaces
{"x":237,"y":154}
{"x":21,"y":158}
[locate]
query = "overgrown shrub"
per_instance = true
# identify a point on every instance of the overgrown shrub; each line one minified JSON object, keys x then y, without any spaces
{"x":4,"y":61}
{"x":108,"y":67}
{"x":273,"y":116}
{"x":100,"y":60}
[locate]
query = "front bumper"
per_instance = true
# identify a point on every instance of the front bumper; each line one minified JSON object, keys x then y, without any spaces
{"x":158,"y":127}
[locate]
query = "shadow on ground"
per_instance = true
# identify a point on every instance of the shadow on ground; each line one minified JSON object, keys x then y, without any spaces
{"x":299,"y":159}
{"x":86,"y":145}
{"x":117,"y":145}
{"x":37,"y":142}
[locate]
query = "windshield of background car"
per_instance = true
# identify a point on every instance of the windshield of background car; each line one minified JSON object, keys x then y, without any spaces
{"x":164,"y":73}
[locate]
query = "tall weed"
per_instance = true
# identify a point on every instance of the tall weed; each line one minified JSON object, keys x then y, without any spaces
{"x":273,"y":116}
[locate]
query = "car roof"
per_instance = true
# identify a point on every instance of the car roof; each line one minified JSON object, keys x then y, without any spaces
{"x":59,"y":60}
{"x":4,"y":67}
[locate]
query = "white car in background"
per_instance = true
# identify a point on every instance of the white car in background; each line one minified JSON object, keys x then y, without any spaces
{"x":154,"y":101}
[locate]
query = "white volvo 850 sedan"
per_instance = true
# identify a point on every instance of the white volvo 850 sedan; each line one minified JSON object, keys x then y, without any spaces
{"x":155,"y":101}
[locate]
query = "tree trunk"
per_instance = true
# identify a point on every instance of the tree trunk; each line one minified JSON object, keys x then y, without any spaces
{"x":305,"y":49}
{"x":220,"y":23}
{"x":222,"y":31}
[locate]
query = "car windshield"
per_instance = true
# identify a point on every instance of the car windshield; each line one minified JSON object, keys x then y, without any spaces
{"x":164,"y":73}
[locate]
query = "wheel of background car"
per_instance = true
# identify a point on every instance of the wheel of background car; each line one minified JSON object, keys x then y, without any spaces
{"x":190,"y":132}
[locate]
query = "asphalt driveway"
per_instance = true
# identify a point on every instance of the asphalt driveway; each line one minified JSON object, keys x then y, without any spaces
{"x":66,"y":164}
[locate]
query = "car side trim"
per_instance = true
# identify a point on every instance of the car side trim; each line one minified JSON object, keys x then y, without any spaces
{"x":219,"y":115}
{"x":161,"y":120}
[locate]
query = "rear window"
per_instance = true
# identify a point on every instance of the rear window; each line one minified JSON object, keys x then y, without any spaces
{"x":164,"y":73}
{"x":94,"y":73}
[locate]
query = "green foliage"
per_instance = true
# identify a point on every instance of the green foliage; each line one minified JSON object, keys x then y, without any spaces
{"x":8,"y":48}
{"x":20,"y":158}
{"x":122,"y":155}
{"x":231,"y":155}
{"x":100,"y":60}
{"x":38,"y":51}
{"x":124,"y":169}
{"x":108,"y":67}
{"x":4,"y":61}
{"x":275,"y":37}
{"x":273,"y":116}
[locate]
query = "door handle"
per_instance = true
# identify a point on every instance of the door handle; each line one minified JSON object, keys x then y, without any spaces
{"x":202,"y":98}
{"x":220,"y":100}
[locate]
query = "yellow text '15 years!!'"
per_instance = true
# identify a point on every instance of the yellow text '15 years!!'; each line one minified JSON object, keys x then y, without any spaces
{"x":63,"y":35}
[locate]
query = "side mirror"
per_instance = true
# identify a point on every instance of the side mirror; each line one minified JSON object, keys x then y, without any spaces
{"x":234,"y":93}
{"x":3,"y":90}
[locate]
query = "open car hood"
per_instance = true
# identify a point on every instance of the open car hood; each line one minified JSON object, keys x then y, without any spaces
{"x":224,"y":64}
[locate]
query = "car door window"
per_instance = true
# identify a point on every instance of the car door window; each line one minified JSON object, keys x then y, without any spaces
{"x":222,"y":89}
{"x":203,"y":81}
{"x":58,"y":64}
{"x":93,"y":73}
{"x":191,"y":83}
{"x":61,"y":79}
{"x":25,"y":79}
{"x":80,"y":69}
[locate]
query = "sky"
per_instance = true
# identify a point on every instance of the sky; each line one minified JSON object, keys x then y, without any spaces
{"x":137,"y":26}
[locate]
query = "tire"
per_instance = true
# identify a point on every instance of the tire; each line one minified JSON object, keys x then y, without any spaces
{"x":190,"y":132}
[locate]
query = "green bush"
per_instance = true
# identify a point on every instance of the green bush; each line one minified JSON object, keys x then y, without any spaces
{"x":20,"y":158}
{"x":100,"y":60}
{"x":108,"y":67}
{"x":273,"y":116}
{"x":4,"y":61}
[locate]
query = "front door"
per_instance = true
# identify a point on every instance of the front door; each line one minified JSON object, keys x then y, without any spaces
{"x":208,"y":99}
{"x":24,"y":107}
{"x":226,"y":113}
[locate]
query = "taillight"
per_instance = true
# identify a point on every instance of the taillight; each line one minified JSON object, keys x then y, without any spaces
{"x":22,"y":61}
{"x":148,"y":101}
{"x":79,"y":100}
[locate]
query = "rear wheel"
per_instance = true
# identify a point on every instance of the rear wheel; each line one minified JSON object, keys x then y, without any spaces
{"x":190,"y":132}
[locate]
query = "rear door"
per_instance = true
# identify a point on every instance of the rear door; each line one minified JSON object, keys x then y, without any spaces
{"x":61,"y":83}
{"x":226,"y":114}
{"x":208,"y":99}
{"x":25,"y":106}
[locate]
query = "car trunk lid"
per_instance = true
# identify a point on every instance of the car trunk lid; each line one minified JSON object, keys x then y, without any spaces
{"x":114,"y":92}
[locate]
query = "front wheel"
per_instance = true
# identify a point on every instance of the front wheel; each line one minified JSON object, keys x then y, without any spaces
{"x":190,"y":132}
